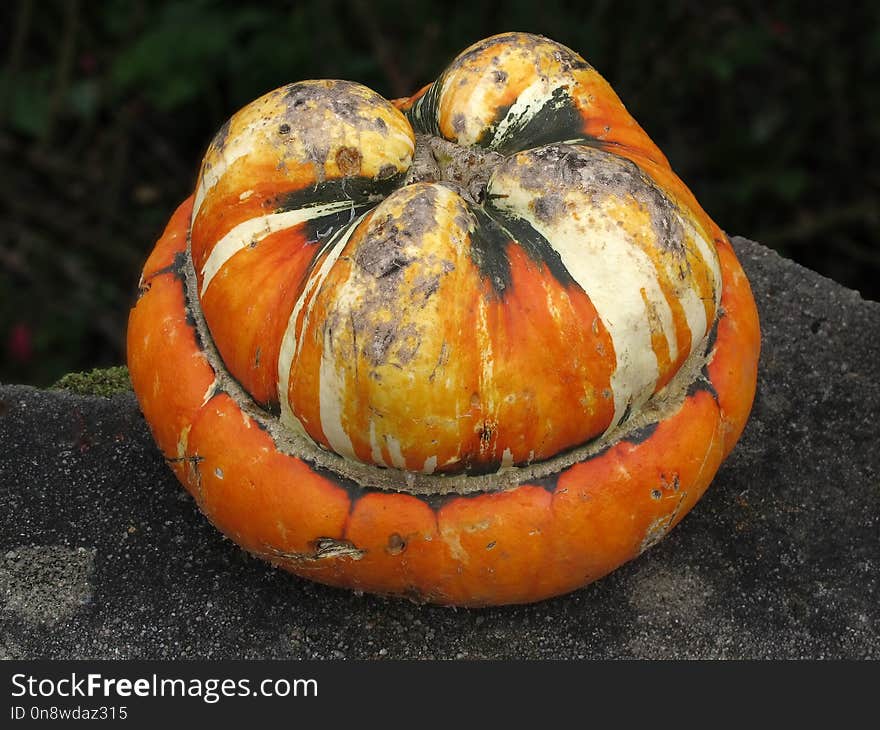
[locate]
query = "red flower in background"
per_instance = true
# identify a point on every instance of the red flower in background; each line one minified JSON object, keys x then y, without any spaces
{"x":88,"y":63}
{"x":779,"y":28}
{"x":20,"y":343}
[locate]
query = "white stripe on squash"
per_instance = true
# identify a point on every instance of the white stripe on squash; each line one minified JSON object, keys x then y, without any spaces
{"x":236,"y":147}
{"x":530,"y":101}
{"x":291,"y":342}
{"x":613,"y":271}
{"x":331,"y":400}
{"x":256,"y":229}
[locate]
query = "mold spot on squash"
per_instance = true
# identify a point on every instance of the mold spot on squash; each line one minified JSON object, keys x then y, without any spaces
{"x":386,"y":171}
{"x":324,"y":548}
{"x":328,"y":547}
{"x":554,"y":170}
{"x":548,"y":207}
{"x":348,"y":160}
{"x":396,"y":544}
{"x":382,"y":253}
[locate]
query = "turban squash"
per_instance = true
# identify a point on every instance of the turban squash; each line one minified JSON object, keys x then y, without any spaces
{"x":477,"y":346}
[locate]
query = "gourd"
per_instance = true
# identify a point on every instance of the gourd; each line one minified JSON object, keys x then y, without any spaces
{"x":477,"y":346}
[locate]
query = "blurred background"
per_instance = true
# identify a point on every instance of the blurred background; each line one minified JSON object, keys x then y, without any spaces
{"x":770,"y":112}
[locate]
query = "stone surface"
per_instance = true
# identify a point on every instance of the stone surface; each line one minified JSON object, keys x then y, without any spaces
{"x":102,"y":554}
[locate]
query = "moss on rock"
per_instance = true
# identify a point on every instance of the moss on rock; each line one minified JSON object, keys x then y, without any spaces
{"x":101,"y":381}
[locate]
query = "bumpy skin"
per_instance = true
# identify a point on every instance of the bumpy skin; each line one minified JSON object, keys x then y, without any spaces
{"x":342,"y":295}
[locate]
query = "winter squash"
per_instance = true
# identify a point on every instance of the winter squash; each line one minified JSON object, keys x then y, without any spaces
{"x":477,"y":346}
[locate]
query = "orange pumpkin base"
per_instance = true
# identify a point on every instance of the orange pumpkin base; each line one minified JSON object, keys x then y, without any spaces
{"x":515,"y":544}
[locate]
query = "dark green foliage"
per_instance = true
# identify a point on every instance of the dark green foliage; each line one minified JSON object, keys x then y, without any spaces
{"x":769,"y":112}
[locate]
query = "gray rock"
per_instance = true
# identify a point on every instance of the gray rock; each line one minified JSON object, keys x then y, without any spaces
{"x":104,"y":556}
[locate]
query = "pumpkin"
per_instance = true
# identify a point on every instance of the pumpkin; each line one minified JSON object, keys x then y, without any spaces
{"x":477,"y":346}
